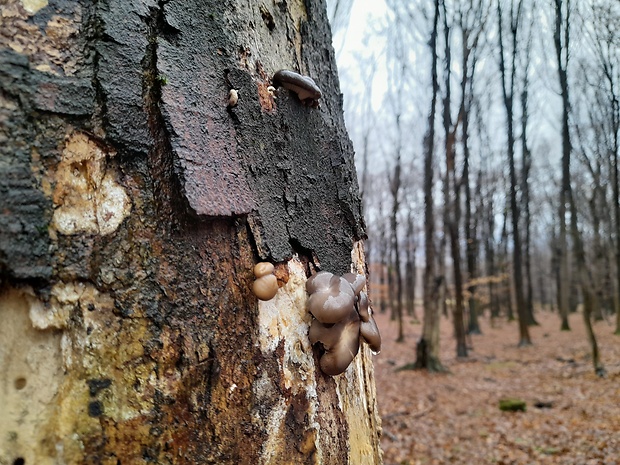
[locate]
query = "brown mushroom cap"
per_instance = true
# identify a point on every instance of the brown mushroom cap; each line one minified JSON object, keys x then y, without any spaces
{"x":263,"y":268}
{"x":265,"y":287}
{"x":340,"y":341}
{"x":330,"y":304}
{"x":358,"y":281}
{"x":318,"y":281}
{"x":370,"y":333}
{"x":304,"y":86}
{"x":362,"y":306}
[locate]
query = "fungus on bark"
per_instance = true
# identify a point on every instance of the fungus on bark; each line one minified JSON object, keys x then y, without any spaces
{"x":331,"y":297}
{"x":370,"y":333}
{"x":362,"y":306}
{"x":341,"y":342}
{"x":304,"y":86}
{"x":342,"y":317}
{"x":358,"y":281}
{"x":266,"y":285}
{"x":233,"y":97}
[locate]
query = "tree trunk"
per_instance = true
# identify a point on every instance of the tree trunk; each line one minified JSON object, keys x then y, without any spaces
{"x":508,"y":81}
{"x":452,"y":198}
{"x":136,"y":199}
{"x":410,"y":267}
{"x":472,"y":255}
{"x":586,"y":284}
{"x":427,"y":350}
{"x":525,"y":189}
{"x":563,"y":280}
{"x":396,"y":287}
{"x":383,"y":268}
{"x":616,"y":203}
{"x":506,"y":294}
{"x":489,"y":252}
{"x":471,"y":241}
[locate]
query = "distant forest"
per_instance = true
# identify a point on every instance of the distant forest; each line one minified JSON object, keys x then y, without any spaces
{"x":486,"y":137}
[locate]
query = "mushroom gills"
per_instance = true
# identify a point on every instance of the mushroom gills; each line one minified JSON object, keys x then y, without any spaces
{"x":304,"y":86}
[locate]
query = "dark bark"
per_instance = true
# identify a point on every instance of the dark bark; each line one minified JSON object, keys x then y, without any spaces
{"x":489,"y":251}
{"x":469,"y":49}
{"x":561,"y":48}
{"x":616,"y":204}
{"x":165,"y":357}
{"x":472,"y":253}
{"x":508,"y":85}
{"x":427,"y":352}
{"x":452,"y":197}
{"x":410,"y":267}
{"x":525,"y":190}
{"x":396,"y":290}
{"x":586,"y":285}
{"x":383,"y":266}
{"x":506,"y":294}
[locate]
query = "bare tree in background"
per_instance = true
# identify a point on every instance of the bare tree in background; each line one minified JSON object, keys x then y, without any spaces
{"x":427,"y":350}
{"x":452,"y":190}
{"x":471,"y":19}
{"x":605,"y":43}
{"x":397,"y":70}
{"x":410,"y":264}
{"x":508,"y":77}
{"x":396,"y":298}
{"x":526,"y":164}
{"x":560,"y":40}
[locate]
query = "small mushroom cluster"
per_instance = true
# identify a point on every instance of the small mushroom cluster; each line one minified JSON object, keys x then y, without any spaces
{"x":342,"y":315}
{"x":304,"y":86}
{"x":266,"y":285}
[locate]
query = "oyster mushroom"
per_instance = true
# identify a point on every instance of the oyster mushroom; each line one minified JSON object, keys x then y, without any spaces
{"x":266,"y":285}
{"x":362,"y":306}
{"x":304,"y":86}
{"x":341,"y":342}
{"x":331,"y":297}
{"x":357,"y":281}
{"x":370,"y":333}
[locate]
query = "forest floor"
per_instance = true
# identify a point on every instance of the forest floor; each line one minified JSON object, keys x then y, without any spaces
{"x":572,"y":416}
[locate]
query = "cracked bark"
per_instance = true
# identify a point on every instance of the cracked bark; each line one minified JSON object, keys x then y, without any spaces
{"x":155,"y":348}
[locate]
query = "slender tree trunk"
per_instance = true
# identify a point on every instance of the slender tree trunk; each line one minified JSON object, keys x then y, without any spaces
{"x":472,"y":258}
{"x":616,"y":204}
{"x":598,"y":259}
{"x":525,"y":189}
{"x":544,"y":284}
{"x":136,"y":200}
{"x":452,"y":202}
{"x":410,"y":268}
{"x":489,"y":252}
{"x":427,"y":349}
{"x":383,"y":266}
{"x":585,"y":279}
{"x":506,"y":295}
{"x":508,"y":93}
{"x":397,"y":281}
{"x":384,"y":287}
{"x":471,"y":240}
{"x":563,"y":280}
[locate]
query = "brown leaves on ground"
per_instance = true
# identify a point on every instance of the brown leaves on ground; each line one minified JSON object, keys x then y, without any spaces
{"x":572,"y":417}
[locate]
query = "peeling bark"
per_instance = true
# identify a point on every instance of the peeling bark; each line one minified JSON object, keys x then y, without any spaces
{"x":135,"y":204}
